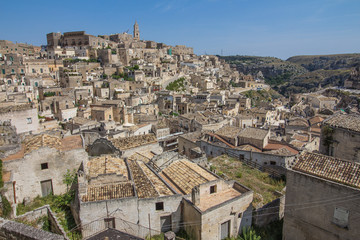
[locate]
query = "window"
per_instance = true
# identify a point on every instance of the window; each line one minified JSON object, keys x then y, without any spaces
{"x":3,"y":71}
{"x":109,"y":222}
{"x":12,"y":70}
{"x":29,"y":120}
{"x":41,"y":70}
{"x":240,"y":215}
{"x":272,"y":163}
{"x":33,"y":70}
{"x":44,"y":166}
{"x":213,"y":189}
{"x":159,"y":206}
{"x":241,"y":157}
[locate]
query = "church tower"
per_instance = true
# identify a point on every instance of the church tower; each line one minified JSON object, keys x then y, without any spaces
{"x":136,"y":31}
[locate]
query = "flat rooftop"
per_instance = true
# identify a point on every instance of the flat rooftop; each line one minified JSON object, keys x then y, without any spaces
{"x":217,"y":198}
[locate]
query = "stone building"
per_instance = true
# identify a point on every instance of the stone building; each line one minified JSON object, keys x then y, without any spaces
{"x":340,"y":137}
{"x":126,"y":146}
{"x":128,"y":189}
{"x":220,"y":209}
{"x":102,"y":113}
{"x":136,"y":32}
{"x":38,"y":168}
{"x":77,"y":39}
{"x":321,"y":200}
{"x":188,"y":144}
{"x":7,"y":47}
{"x":24,"y":117}
{"x":132,"y":190}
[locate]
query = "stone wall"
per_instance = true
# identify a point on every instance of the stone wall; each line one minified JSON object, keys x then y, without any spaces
{"x":315,"y":221}
{"x":134,"y":210}
{"x":261,"y":158}
{"x":270,"y":212}
{"x":27,"y":172}
{"x":24,"y":121}
{"x":345,"y":143}
{"x":238,"y":212}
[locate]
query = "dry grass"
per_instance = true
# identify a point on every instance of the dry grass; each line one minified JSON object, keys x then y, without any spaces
{"x":263,"y":186}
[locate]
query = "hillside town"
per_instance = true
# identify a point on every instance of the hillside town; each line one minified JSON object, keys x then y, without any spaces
{"x":116,"y":137}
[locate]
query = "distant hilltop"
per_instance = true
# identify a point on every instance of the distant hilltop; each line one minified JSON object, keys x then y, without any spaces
{"x":299,"y":73}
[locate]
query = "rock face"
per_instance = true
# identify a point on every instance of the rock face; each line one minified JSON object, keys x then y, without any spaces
{"x":268,"y":66}
{"x":300,"y":74}
{"x":326,"y":62}
{"x":354,"y":80}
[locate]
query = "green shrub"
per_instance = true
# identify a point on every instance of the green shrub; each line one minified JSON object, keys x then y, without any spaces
{"x":6,"y":209}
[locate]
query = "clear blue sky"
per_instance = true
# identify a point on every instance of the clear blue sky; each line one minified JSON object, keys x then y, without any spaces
{"x":280,"y":28}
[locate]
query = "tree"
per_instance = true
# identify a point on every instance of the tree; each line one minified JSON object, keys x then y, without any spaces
{"x":69,"y":178}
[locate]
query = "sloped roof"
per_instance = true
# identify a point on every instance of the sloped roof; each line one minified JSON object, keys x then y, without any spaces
{"x":33,"y":143}
{"x":134,"y":141}
{"x":255,"y":133}
{"x":329,"y":168}
{"x":228,"y":131}
{"x":347,"y":121}
{"x":185,"y":175}
{"x":98,"y":193}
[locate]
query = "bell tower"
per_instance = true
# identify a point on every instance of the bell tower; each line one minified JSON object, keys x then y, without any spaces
{"x":136,"y":31}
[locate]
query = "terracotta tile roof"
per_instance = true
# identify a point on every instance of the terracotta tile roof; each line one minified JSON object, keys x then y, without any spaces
{"x":248,"y":147}
{"x":98,"y":193}
{"x":185,"y":175}
{"x":315,"y":120}
{"x":71,"y":142}
{"x":298,"y":144}
{"x":159,"y":185}
{"x":329,"y":168}
{"x":255,"y":133}
{"x":43,"y":140}
{"x":134,"y":141}
{"x":107,"y":164}
{"x":301,"y":137}
{"x":144,"y":187}
{"x":277,"y":146}
{"x":221,"y":140}
{"x":347,"y":121}
{"x":32,"y":143}
{"x":228,"y":131}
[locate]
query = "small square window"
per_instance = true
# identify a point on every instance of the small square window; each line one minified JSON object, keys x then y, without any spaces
{"x":29,"y":120}
{"x":212,"y":189}
{"x":240,"y":215}
{"x":159,"y":206}
{"x":44,"y":166}
{"x":109,"y":222}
